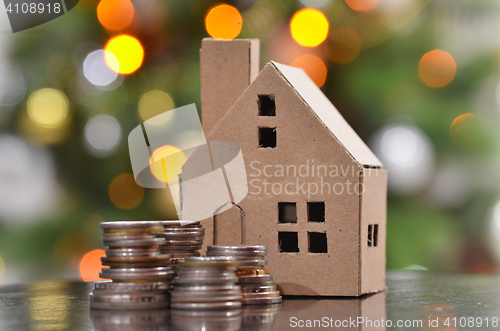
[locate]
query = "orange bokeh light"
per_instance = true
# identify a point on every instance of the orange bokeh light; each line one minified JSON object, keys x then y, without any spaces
{"x":465,"y":131}
{"x":90,"y":265}
{"x":223,"y":22}
{"x":437,"y":68}
{"x":309,"y":27}
{"x":125,"y":193}
{"x":125,"y":54}
{"x":167,"y":170}
{"x":343,"y":45}
{"x":362,"y":5}
{"x":115,"y":14}
{"x":314,"y":67}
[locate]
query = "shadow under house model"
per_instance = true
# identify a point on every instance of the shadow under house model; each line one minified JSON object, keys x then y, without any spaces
{"x":305,"y":167}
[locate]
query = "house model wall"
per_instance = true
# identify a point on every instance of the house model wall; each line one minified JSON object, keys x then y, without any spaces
{"x":317,"y":194}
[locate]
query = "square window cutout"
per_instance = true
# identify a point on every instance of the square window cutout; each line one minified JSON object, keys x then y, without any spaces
{"x":267,"y":137}
{"x":288,"y":242}
{"x":267,"y":106}
{"x":287,"y":212}
{"x":316,"y":212}
{"x":317,"y":242}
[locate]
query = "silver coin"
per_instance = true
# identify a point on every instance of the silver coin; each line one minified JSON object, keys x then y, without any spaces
{"x":127,"y":301}
{"x":238,"y":248}
{"x":157,"y":273}
{"x":128,"y":224}
{"x":247,"y":254}
{"x":257,"y":285}
{"x":262,"y":301}
{"x":252,"y":263}
{"x":133,"y":252}
{"x":255,"y":279}
{"x":175,"y":223}
{"x":205,"y":305}
{"x":110,"y":286}
{"x":258,"y":289}
{"x":210,"y":259}
{"x":133,"y":242}
{"x":262,"y":295}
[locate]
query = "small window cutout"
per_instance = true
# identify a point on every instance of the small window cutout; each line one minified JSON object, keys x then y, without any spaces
{"x":289,"y":242}
{"x":370,"y":235}
{"x":316,"y":212}
{"x":375,"y":235}
{"x":267,"y":137}
{"x":317,"y":242}
{"x":267,"y":106}
{"x":287,"y":212}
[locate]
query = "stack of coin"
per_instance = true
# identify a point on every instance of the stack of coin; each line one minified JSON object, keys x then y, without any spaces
{"x":182,"y":239}
{"x":206,"y":283}
{"x":140,"y":273}
{"x":257,"y":285}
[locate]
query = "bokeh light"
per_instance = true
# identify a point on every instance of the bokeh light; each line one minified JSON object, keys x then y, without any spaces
{"x":97,"y":71}
{"x":2,"y":267}
{"x":155,"y":103}
{"x":115,"y":14}
{"x":69,"y":248}
{"x":314,"y":67}
{"x":166,"y":163}
{"x":48,"y":108}
{"x":29,"y":189}
{"x":309,"y":27}
{"x":362,"y":5}
{"x":127,"y":50}
{"x":12,"y":85}
{"x":467,"y":132}
{"x":437,"y":68}
{"x":90,"y":265}
{"x":343,"y":45}
{"x":125,"y":193}
{"x":315,"y":3}
{"x":102,"y":135}
{"x":408,"y":155}
{"x":223,"y":22}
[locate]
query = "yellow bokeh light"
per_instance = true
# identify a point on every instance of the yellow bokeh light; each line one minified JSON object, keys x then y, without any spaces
{"x":437,"y":68}
{"x":223,"y":22}
{"x":115,"y":14}
{"x":166,"y":163}
{"x":309,"y":27}
{"x":362,"y":5}
{"x":314,"y":67}
{"x":128,"y":54}
{"x":90,"y":265}
{"x":155,"y":103}
{"x":48,"y":108}
{"x":125,"y":193}
{"x":343,"y":45}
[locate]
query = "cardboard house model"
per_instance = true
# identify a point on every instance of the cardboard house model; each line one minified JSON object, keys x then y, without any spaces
{"x":316,"y":193}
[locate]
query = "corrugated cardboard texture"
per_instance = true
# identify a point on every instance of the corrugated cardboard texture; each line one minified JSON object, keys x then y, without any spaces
{"x":301,"y":140}
{"x":373,"y":211}
{"x":227,"y":68}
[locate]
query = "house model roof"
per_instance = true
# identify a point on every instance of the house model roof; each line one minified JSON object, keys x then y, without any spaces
{"x":328,"y":115}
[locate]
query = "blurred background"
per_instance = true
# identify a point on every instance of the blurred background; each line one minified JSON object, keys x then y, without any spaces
{"x":419,"y":81}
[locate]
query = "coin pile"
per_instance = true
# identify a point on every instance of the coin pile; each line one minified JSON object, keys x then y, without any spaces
{"x":140,"y":273}
{"x":182,"y":239}
{"x":257,"y":285}
{"x":206,"y":283}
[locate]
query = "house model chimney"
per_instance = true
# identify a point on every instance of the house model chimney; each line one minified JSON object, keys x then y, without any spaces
{"x":227,"y":68}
